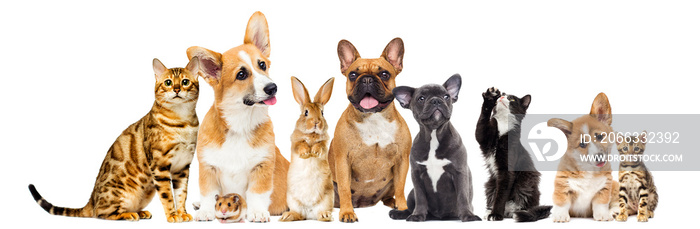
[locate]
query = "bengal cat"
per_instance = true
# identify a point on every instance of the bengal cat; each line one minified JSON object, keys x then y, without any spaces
{"x":151,"y":156}
{"x":637,"y":189}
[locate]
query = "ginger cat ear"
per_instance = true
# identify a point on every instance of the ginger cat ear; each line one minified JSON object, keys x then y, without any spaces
{"x":347,"y":53}
{"x":324,"y":93}
{"x":301,"y":95}
{"x":158,"y":67}
{"x":394,"y":53}
{"x":601,"y":109}
{"x":257,"y":33}
{"x":209,"y":63}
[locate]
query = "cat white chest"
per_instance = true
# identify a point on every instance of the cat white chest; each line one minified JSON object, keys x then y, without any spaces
{"x":433,"y":165}
{"x":504,"y":120}
{"x":375,"y":129}
{"x":585,"y":188}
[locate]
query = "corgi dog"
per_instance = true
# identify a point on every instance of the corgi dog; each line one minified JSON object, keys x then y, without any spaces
{"x":236,"y":144}
{"x":585,"y":188}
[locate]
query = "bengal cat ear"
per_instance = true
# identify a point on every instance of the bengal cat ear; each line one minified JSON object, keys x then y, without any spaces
{"x":158,"y":68}
{"x":209,"y":63}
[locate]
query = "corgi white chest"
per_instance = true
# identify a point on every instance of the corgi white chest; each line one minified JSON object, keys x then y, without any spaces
{"x":376,"y":129}
{"x":432,"y":164}
{"x":585,"y":188}
{"x":235,"y":158}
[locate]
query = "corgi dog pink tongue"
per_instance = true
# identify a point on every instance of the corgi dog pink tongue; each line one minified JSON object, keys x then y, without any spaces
{"x":368,"y":102}
{"x":270,"y":101}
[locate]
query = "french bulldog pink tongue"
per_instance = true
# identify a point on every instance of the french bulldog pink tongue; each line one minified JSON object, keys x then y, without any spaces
{"x":368,"y":102}
{"x":270,"y":101}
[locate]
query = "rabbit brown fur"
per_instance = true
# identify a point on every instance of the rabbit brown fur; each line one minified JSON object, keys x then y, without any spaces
{"x":310,"y":189}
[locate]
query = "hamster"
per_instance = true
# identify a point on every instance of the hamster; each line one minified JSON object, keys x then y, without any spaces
{"x":230,"y":208}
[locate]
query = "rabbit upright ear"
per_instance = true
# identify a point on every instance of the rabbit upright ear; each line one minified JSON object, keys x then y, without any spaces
{"x":301,"y":95}
{"x":324,"y":93}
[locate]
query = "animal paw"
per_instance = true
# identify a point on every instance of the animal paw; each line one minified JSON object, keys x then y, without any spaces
{"x":642,"y":218}
{"x":621,"y":217}
{"x":468,"y":218}
{"x":347,"y":217}
{"x":258,"y":216}
{"x":316,"y":150}
{"x":416,"y":218}
{"x":290,"y":216}
{"x":491,"y":94}
{"x":399,"y":214}
{"x":174,"y":218}
{"x":129,"y":216}
{"x":145,"y":215}
{"x":602,"y":216}
{"x":325,"y":216}
{"x":494,"y":217}
{"x":185,"y":217}
{"x":204,"y":215}
{"x":560,"y":216}
{"x":390,"y":202}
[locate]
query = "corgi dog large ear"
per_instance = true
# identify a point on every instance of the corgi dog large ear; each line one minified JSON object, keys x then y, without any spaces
{"x":209,"y":63}
{"x":601,"y":109}
{"x":257,"y":33}
{"x":561,"y":124}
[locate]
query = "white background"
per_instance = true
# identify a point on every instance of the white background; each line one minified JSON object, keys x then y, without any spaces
{"x":75,"y":74}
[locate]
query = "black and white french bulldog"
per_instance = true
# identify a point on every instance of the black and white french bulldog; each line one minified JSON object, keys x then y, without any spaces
{"x":442,"y":181}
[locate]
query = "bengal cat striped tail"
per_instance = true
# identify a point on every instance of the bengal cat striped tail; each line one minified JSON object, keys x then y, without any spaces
{"x":48,"y":207}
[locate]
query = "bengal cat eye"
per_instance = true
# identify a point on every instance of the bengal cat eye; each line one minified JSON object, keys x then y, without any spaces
{"x":625,"y":148}
{"x":636,"y":149}
{"x":185,"y":82}
{"x":262,"y":65}
{"x":168,"y":82}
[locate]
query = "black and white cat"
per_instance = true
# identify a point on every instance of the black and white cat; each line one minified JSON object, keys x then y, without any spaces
{"x":513,"y":187}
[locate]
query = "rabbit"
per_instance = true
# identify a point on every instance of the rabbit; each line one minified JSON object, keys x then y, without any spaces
{"x":310,"y":189}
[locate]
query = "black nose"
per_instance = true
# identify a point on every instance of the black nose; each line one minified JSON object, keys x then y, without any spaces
{"x":367,"y":79}
{"x":270,"y":89}
{"x":436,"y":101}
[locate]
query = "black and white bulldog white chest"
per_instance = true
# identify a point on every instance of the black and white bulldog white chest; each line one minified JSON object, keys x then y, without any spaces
{"x":434,"y":166}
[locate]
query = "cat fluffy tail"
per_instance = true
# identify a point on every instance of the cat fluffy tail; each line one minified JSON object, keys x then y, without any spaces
{"x":533,"y":214}
{"x":48,"y":207}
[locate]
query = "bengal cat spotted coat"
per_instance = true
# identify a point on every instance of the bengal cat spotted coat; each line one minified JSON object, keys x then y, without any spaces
{"x":637,"y":189}
{"x":151,"y":156}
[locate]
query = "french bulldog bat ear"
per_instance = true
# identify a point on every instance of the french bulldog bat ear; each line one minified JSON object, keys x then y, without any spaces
{"x":193,"y":65}
{"x":452,"y":85}
{"x":158,"y":67}
{"x":324,"y":93}
{"x":347,"y":53}
{"x":525,"y":101}
{"x":561,"y":124}
{"x":393,"y":52}
{"x":257,"y":33}
{"x":209,"y":63}
{"x":301,"y":95}
{"x":601,"y":109}
{"x":404,"y":95}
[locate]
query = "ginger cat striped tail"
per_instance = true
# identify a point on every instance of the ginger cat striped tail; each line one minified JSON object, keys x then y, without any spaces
{"x":151,"y":156}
